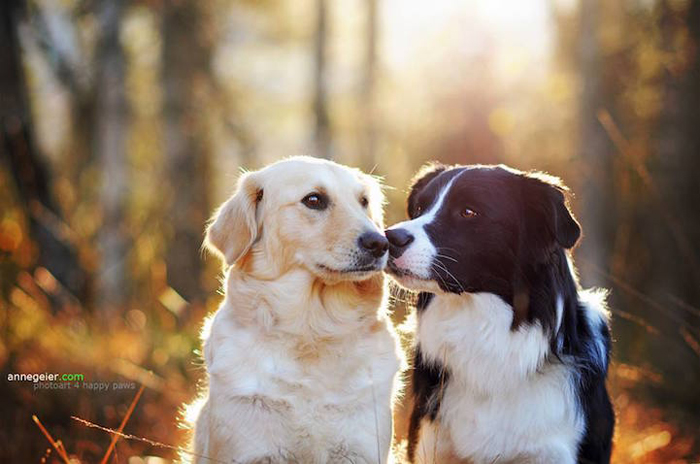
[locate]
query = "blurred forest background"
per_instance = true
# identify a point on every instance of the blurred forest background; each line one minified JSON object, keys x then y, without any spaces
{"x":124,"y":123}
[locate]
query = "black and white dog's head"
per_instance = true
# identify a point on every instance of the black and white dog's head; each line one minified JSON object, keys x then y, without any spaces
{"x":481,"y":229}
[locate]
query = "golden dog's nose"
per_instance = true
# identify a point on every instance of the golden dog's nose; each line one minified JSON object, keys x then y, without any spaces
{"x":374,"y":243}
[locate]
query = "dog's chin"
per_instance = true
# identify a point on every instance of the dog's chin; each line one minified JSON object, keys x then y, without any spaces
{"x":410,"y":281}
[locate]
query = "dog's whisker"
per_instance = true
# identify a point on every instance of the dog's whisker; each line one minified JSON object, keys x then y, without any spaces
{"x":444,"y":268}
{"x":441,"y":248}
{"x":439,"y":276}
{"x":446,"y":257}
{"x":449,"y":274}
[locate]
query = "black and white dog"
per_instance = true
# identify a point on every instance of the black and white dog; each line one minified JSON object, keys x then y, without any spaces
{"x":511,"y":355}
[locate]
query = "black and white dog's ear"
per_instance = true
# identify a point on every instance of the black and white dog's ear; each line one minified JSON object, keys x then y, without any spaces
{"x":550,"y":221}
{"x":234,"y":226}
{"x":566,"y":229}
{"x":424,"y":175}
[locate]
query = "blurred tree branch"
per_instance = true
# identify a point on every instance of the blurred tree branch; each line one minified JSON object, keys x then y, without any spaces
{"x":55,"y":33}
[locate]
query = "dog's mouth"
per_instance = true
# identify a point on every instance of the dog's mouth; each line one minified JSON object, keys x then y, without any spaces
{"x":351,"y":270}
{"x":410,"y":280}
{"x":414,"y":282}
{"x":400,"y":272}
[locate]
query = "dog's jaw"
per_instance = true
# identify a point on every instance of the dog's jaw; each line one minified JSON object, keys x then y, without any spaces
{"x":355,"y":272}
{"x":410,"y":281}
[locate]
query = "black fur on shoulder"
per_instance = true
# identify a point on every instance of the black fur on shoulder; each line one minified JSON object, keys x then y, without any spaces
{"x":596,"y":445}
{"x":424,"y":299}
{"x":428,"y":380}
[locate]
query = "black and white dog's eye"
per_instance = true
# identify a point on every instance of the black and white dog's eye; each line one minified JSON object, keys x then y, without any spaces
{"x":417,"y":211}
{"x":315,"y":200}
{"x":364,"y":201}
{"x":468,"y":213}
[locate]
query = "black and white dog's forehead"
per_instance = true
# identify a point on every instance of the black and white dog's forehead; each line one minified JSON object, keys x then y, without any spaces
{"x":482,"y":186}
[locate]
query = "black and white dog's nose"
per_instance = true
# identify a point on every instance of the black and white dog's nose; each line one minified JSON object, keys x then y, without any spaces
{"x":374,"y":243}
{"x":399,"y":239}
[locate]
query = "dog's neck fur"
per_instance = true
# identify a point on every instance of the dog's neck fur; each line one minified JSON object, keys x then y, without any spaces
{"x":549,"y":328}
{"x":470,"y":335}
{"x":298,"y":303}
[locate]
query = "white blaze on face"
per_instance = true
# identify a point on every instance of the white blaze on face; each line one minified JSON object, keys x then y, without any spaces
{"x":418,"y":258}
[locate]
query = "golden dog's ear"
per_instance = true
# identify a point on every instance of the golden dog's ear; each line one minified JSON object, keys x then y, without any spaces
{"x":234,"y":226}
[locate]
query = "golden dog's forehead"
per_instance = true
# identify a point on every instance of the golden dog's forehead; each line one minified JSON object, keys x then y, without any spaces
{"x":302,"y":175}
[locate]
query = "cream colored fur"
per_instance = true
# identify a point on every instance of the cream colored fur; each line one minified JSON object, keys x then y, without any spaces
{"x":300,"y":357}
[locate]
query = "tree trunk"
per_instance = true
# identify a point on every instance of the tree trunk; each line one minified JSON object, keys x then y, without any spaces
{"x":109,"y":145}
{"x":322,"y":136}
{"x":595,"y":151}
{"x":673,"y":275}
{"x":368,"y":88}
{"x":29,"y":170}
{"x":186,"y":61}
{"x":676,"y":165}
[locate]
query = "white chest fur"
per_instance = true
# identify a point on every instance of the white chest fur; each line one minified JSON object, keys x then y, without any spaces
{"x":280,"y":396}
{"x":503,"y":401}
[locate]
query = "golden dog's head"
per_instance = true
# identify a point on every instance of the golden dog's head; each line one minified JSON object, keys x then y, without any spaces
{"x":303,"y":213}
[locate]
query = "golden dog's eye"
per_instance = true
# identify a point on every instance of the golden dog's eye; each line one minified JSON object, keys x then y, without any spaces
{"x":315,"y":200}
{"x":364,"y":201}
{"x":468,"y":213}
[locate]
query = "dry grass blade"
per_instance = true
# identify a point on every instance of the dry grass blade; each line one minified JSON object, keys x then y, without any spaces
{"x":58,"y":445}
{"x":690,"y":340}
{"x":153,"y":443}
{"x":115,"y":437}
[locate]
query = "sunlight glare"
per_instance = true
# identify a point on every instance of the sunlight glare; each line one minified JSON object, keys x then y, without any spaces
{"x":515,"y":34}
